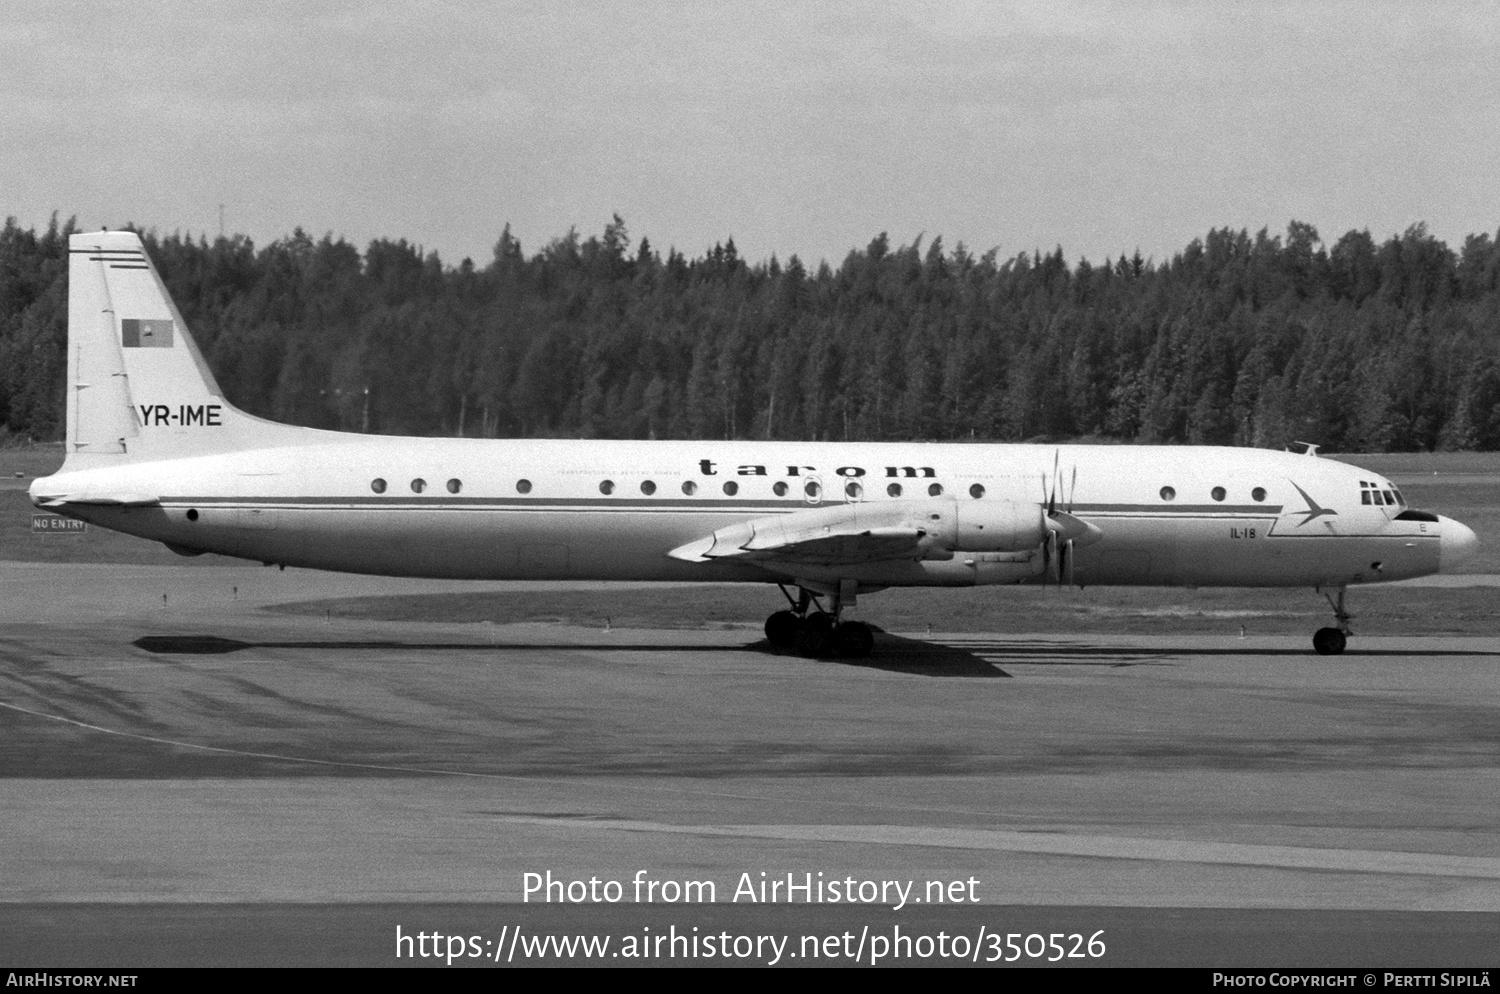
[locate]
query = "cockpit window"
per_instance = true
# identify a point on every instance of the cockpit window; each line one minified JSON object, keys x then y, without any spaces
{"x":1381,"y":495}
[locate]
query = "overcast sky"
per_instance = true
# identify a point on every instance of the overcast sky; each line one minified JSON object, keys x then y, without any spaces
{"x":801,"y":128}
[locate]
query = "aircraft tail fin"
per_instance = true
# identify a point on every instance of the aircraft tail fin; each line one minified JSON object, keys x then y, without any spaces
{"x":138,"y":388}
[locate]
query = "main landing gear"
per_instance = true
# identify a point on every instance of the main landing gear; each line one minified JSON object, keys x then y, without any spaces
{"x":1331,"y":641}
{"x":808,"y":630}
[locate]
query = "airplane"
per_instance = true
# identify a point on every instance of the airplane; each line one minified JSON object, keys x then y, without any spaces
{"x":153,"y":449}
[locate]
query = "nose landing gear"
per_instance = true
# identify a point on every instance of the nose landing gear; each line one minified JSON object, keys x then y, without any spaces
{"x":1331,"y":641}
{"x":808,"y":630}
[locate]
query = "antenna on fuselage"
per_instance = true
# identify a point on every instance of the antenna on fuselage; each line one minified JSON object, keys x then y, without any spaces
{"x":1309,"y":448}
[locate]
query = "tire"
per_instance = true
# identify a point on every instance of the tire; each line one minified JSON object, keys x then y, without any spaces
{"x":814,"y":636}
{"x":781,"y":629}
{"x":1329,"y":641}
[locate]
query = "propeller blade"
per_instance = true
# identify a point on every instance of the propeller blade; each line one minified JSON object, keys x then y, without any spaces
{"x":1052,"y":495}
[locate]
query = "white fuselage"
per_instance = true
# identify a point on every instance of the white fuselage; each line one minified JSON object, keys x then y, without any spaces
{"x":558,"y":509}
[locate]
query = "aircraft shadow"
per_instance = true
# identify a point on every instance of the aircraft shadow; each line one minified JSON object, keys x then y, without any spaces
{"x":893,"y":653}
{"x":973,"y":658}
{"x":896,"y":654}
{"x":210,"y":645}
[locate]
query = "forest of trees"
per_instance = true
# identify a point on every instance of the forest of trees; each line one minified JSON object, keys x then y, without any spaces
{"x":1238,"y":339}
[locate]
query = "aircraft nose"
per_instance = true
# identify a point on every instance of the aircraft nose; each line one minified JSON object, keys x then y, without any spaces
{"x":1457,"y":543}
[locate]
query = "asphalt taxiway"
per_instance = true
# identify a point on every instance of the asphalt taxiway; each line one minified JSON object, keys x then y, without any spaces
{"x":174,"y":756}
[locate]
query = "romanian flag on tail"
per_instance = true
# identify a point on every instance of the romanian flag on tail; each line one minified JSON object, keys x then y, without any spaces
{"x":136,"y":333}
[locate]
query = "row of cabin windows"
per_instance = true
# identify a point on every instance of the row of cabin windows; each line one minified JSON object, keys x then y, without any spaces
{"x":1370,"y":493}
{"x":454,"y":486}
{"x":811,"y":488}
{"x":1217,"y":493}
{"x":418,"y":485}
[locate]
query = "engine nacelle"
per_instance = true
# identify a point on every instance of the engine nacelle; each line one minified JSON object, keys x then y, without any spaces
{"x":981,"y":526}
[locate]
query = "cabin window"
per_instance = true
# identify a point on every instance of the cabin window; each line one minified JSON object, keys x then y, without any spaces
{"x":731,"y":488}
{"x":418,"y":485}
{"x":1258,"y":494}
{"x":689,"y":487}
{"x":936,"y":490}
{"x":648,"y":488}
{"x":523,"y":486}
{"x":377,"y":485}
{"x":1168,"y":493}
{"x":976,"y":491}
{"x":853,"y":490}
{"x":607,"y":487}
{"x":192,"y":514}
{"x":780,"y":488}
{"x":894,"y":490}
{"x":454,"y":486}
{"x":1217,"y":493}
{"x":811,"y":489}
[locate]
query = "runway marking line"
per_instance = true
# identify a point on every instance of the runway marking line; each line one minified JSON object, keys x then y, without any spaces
{"x":1067,"y":844}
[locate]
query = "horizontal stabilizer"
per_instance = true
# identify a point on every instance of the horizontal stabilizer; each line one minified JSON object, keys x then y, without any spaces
{"x":111,"y":500}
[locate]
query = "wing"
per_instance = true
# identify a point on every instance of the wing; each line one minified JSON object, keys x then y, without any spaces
{"x":768,"y":541}
{"x":849,"y":534}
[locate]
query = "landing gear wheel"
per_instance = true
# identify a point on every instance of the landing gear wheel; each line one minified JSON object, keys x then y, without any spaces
{"x":782,"y":627}
{"x":853,"y":640}
{"x":814,"y":636}
{"x":1329,"y":641}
